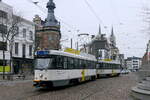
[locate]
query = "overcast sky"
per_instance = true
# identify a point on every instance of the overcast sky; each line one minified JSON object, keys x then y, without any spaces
{"x":126,"y":16}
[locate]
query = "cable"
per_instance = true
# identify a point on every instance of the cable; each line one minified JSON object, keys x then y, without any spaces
{"x":44,"y":11}
{"x":93,"y":11}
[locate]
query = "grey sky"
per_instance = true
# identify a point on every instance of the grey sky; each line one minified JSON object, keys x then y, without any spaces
{"x":125,"y":15}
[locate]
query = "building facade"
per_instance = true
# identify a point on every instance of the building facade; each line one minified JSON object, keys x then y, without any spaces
{"x":6,"y":12}
{"x":23,"y":47}
{"x":20,"y":49}
{"x":133,"y":63}
{"x":104,"y":48}
{"x":99,"y":46}
{"x":48,"y":33}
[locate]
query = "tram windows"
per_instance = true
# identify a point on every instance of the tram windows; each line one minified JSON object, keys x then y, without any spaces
{"x":70,"y":63}
{"x":110,"y":66}
{"x":104,"y":66}
{"x":89,"y":64}
{"x":101,"y":65}
{"x":80,"y":64}
{"x":76,"y":63}
{"x":59,"y":62}
{"x":85,"y":64}
{"x":93,"y":67}
{"x":65,"y":63}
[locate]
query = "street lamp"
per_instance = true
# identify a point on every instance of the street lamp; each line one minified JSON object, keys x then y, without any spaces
{"x":84,"y":41}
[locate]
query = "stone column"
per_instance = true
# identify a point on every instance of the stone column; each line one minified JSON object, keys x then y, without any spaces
{"x":142,"y":90}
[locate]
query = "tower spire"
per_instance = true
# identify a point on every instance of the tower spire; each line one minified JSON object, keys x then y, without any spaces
{"x":100,"y":30}
{"x":112,"y":31}
{"x":112,"y":37}
{"x":51,"y":20}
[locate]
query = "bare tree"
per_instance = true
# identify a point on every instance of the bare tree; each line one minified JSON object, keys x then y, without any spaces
{"x":9,"y":36}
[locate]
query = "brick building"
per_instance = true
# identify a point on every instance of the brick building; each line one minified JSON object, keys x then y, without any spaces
{"x":48,"y":33}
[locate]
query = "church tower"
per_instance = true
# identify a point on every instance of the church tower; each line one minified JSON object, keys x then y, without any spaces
{"x":48,"y":34}
{"x":113,"y":38}
{"x":51,"y":20}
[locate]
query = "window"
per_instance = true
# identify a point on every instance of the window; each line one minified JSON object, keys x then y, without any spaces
{"x":23,"y":50}
{"x":31,"y":35}
{"x":3,"y":29}
{"x":3,"y":14}
{"x":30,"y":50}
{"x":16,"y":48}
{"x":17,"y":31}
{"x":50,"y":37}
{"x":3,"y":63}
{"x":24,"y":33}
{"x":3,"y":46}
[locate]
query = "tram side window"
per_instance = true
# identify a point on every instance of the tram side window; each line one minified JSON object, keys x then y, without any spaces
{"x":76,"y":63}
{"x":101,"y":66}
{"x":80,"y":64}
{"x":94,"y":65}
{"x":97,"y":66}
{"x":85,"y":64}
{"x":104,"y":65}
{"x":109,"y":66}
{"x":65,"y":63}
{"x":113,"y":66}
{"x":60,"y":62}
{"x":70,"y":63}
{"x":89,"y":64}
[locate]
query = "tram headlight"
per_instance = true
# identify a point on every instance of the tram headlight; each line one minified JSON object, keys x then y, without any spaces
{"x":41,"y":75}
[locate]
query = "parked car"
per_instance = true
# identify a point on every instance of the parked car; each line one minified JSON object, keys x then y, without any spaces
{"x":125,"y":71}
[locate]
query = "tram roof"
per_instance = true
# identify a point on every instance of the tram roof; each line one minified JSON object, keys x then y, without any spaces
{"x":109,"y":62}
{"x":62,"y":53}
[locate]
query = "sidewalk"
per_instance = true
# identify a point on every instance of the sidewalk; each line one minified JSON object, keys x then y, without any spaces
{"x":13,"y":81}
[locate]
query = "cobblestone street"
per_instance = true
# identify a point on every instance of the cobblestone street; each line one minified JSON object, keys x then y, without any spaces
{"x":116,"y":88}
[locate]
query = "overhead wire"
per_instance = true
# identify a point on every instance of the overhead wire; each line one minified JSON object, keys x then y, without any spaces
{"x":93,"y":11}
{"x":45,"y":11}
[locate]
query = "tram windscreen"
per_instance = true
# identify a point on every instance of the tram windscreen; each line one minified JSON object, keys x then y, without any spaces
{"x":53,"y":62}
{"x":44,"y":63}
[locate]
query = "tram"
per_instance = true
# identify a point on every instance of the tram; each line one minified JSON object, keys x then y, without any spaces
{"x":57,"y":68}
{"x":108,"y":68}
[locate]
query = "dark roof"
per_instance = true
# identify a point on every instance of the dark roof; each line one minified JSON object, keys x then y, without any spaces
{"x":130,"y":58}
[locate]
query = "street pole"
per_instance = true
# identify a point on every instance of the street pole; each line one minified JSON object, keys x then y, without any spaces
{"x":3,"y":45}
{"x":77,"y":46}
{"x":3,"y":62}
{"x":71,"y":43}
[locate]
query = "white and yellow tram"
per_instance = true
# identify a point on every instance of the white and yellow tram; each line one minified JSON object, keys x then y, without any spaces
{"x":108,"y":68}
{"x":57,"y":68}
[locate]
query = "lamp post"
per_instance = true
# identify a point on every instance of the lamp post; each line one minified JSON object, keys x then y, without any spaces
{"x":82,"y":39}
